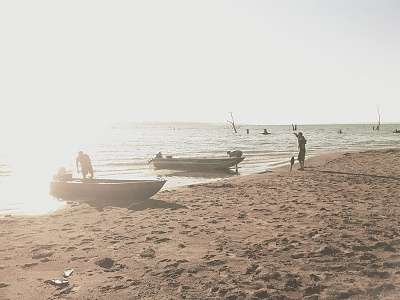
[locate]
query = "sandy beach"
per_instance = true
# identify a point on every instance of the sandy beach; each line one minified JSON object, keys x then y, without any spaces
{"x":329,"y":232}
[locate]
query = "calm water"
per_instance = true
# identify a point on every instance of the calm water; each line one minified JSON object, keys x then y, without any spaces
{"x":27,"y":164}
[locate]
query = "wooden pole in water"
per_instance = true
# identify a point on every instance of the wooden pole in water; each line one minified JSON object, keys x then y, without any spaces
{"x":379,"y":120}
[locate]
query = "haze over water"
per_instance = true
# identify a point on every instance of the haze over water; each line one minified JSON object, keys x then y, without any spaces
{"x":122,"y":151}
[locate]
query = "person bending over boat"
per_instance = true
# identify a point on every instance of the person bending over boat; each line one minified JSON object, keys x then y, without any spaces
{"x":86,"y":164}
{"x":302,"y":149}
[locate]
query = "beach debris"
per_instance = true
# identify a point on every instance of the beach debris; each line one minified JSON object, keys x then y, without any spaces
{"x":68,"y":272}
{"x":58,"y":282}
{"x":61,"y":281}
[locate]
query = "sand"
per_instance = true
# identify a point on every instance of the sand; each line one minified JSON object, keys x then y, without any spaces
{"x":329,"y":232}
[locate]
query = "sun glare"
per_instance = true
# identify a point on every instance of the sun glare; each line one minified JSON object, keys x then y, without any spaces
{"x":34,"y":157}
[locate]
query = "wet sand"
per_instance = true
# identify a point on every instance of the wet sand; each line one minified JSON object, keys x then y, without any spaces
{"x":329,"y":232}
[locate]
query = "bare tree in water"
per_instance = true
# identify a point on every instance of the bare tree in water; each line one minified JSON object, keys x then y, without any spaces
{"x":232,"y":122}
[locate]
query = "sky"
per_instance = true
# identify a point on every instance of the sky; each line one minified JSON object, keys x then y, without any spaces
{"x":268,"y":62}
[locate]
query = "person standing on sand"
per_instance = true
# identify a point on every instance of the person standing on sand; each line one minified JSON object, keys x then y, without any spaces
{"x":86,"y":164}
{"x":302,"y":149}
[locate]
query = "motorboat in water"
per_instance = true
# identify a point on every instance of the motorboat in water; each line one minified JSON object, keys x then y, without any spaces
{"x":196,"y":164}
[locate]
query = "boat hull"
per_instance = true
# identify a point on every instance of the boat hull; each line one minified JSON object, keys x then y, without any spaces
{"x":196,"y":164}
{"x":107,"y":188}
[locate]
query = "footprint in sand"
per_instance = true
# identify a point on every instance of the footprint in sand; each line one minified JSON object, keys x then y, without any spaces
{"x":41,"y":255}
{"x":26,"y":266}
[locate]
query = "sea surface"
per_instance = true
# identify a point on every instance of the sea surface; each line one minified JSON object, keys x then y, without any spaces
{"x":122,"y":151}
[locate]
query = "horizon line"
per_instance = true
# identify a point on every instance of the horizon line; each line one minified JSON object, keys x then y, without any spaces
{"x":242,"y":124}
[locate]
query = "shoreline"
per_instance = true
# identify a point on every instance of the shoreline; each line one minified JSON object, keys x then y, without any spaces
{"x":329,"y":232}
{"x":178,"y":179}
